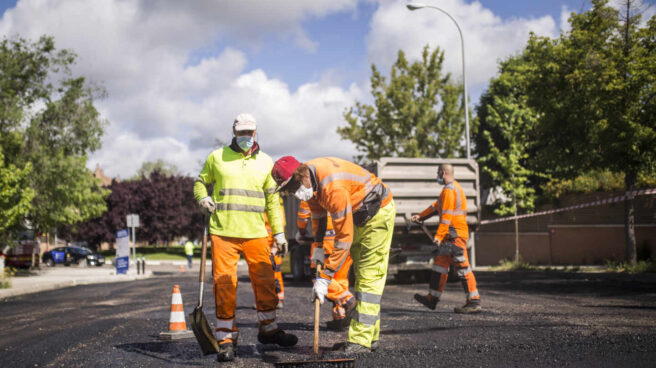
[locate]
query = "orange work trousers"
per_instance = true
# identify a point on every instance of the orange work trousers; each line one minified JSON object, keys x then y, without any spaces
{"x":453,"y":252}
{"x":276,"y":261}
{"x":225,"y":255}
{"x":338,"y":289}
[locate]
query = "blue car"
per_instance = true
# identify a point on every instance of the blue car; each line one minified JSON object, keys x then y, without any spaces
{"x":72,"y":255}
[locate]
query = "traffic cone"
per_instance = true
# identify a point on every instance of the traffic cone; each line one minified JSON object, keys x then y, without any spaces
{"x":181,"y":268}
{"x":177,"y":323}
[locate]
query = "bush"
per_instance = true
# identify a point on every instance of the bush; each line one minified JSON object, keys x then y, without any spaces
{"x":512,"y":265}
{"x":640,"y":267}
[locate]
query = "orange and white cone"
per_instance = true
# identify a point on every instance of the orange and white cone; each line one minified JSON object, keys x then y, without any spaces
{"x":177,"y":323}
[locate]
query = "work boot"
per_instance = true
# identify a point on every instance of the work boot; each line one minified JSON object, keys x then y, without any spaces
{"x":226,"y":353}
{"x":472,"y":306}
{"x":349,"y":348}
{"x":279,"y":337}
{"x":374,"y":346}
{"x":428,"y":301}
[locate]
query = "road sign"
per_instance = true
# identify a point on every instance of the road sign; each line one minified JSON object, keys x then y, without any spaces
{"x":133,"y":220}
{"x":122,"y":251}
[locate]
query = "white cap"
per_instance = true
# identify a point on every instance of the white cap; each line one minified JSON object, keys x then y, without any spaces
{"x":245,"y":122}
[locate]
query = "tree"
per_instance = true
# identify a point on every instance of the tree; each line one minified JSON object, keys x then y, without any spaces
{"x":160,"y":165}
{"x":165,"y":203}
{"x":419,"y":113}
{"x":595,"y":90}
{"x":48,"y":124}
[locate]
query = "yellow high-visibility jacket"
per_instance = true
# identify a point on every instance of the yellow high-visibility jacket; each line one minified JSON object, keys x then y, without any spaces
{"x":243,"y":191}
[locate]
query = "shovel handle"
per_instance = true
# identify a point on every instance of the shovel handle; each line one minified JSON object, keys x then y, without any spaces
{"x":203,"y":252}
{"x":317,"y":306}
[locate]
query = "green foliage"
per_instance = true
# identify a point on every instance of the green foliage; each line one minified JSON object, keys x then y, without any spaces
{"x":418,"y":113}
{"x":513,"y":265}
{"x":593,"y":181}
{"x":503,"y":140}
{"x":639,"y":267}
{"x":148,"y":167}
{"x":594,"y":87}
{"x":48,"y":124}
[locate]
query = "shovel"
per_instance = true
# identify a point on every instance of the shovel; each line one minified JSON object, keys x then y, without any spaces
{"x":199,"y":323}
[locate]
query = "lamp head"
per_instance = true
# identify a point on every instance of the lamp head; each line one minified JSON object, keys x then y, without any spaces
{"x":415,"y":6}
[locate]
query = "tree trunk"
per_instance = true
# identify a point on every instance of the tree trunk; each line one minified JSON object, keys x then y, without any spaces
{"x":629,"y":219}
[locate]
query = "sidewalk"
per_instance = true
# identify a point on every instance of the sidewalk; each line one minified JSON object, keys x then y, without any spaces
{"x":34,"y":281}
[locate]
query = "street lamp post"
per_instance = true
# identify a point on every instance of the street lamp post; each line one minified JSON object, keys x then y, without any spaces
{"x":415,"y":6}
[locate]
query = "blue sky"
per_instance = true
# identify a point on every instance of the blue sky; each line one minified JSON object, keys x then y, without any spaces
{"x":176,"y":74}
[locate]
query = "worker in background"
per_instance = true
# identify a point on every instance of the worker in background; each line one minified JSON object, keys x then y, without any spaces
{"x":451,"y":242}
{"x":362,"y":212}
{"x":276,"y":259}
{"x":338,"y":289}
{"x":189,"y":252}
{"x":243,"y":191}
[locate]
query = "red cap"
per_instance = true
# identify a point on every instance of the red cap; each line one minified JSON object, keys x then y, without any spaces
{"x":283,"y":170}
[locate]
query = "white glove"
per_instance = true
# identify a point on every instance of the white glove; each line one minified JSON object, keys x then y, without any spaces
{"x":320,"y":289}
{"x":281,"y":243}
{"x":208,"y":204}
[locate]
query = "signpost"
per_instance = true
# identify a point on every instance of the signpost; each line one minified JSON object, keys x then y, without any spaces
{"x":122,"y":251}
{"x":133,"y":222}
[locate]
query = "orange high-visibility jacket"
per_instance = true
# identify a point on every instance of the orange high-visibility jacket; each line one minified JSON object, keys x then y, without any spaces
{"x":304,"y":216}
{"x":452,"y":208}
{"x":341,"y":187}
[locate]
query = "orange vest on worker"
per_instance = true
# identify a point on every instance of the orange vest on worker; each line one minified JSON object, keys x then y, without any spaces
{"x":342,"y":187}
{"x":452,"y":208}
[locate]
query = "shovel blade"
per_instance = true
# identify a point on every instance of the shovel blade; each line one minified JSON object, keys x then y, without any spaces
{"x":203,"y":332}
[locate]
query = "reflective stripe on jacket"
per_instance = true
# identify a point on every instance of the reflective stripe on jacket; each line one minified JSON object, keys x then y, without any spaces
{"x":341,"y":188}
{"x":243,"y":191}
{"x":453,"y":213}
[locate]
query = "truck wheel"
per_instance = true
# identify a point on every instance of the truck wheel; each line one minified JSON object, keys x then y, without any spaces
{"x":297,"y":265}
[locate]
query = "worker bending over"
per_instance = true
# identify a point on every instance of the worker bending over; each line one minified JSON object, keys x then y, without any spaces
{"x":363,"y":212}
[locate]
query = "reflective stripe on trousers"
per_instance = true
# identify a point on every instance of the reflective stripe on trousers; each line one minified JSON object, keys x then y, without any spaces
{"x":370,"y":252}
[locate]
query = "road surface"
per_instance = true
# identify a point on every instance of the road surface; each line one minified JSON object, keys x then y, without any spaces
{"x":544,"y":319}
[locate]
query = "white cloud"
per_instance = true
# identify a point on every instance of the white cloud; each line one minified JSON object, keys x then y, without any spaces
{"x":158,"y":105}
{"x":488,"y":38}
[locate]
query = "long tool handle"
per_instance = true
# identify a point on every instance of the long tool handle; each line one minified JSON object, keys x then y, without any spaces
{"x":317,"y":306}
{"x":423,"y":227}
{"x":203,"y":257}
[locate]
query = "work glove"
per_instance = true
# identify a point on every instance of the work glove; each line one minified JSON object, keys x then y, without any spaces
{"x":414,"y":218}
{"x":318,"y":256}
{"x":208,"y":204}
{"x":281,"y":243}
{"x":320,"y":289}
{"x":441,"y":248}
{"x":302,"y":239}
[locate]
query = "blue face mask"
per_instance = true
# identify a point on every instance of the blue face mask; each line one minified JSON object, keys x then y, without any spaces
{"x":440,"y":180}
{"x":245,"y":142}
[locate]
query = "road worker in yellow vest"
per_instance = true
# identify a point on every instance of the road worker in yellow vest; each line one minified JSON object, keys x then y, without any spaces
{"x":243,"y":190}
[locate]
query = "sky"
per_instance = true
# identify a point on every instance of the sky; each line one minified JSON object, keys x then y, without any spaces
{"x":176,"y":72}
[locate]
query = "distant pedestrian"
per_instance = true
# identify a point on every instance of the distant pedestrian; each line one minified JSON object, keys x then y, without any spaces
{"x":451,"y":242}
{"x":189,"y":251}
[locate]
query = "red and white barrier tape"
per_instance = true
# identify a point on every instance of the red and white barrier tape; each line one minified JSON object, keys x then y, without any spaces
{"x":627,"y":195}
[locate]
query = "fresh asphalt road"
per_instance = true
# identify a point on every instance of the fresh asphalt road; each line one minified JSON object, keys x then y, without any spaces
{"x":550,"y":319}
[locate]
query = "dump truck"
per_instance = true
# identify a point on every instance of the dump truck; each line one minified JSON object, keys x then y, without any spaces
{"x":414,"y":186}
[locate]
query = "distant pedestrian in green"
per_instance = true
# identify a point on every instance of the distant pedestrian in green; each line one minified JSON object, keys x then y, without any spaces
{"x":189,"y":251}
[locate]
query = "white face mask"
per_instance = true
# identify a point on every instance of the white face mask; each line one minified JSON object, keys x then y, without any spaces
{"x":304,"y":193}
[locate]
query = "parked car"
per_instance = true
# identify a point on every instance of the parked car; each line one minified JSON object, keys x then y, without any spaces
{"x":72,"y":255}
